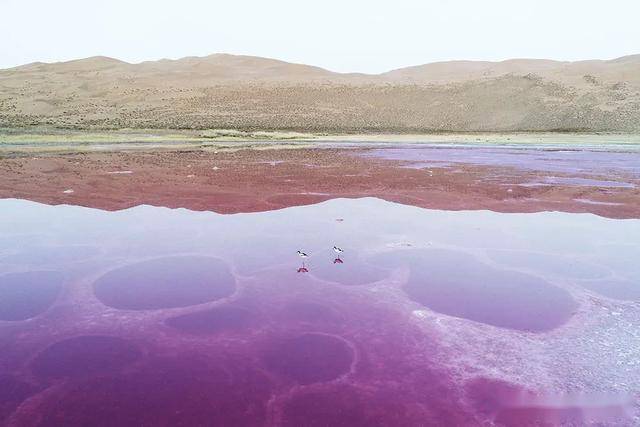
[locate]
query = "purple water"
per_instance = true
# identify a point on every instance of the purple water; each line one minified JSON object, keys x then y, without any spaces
{"x":309,"y":358}
{"x":533,"y":157}
{"x":28,"y":294}
{"x":84,"y":356}
{"x":457,"y":284}
{"x":173,"y":317}
{"x":168,"y":282}
{"x":212,"y":321}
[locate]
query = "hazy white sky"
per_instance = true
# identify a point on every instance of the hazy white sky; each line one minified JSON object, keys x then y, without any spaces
{"x":341,"y":35}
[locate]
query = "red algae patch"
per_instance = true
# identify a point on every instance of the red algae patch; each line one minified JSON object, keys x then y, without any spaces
{"x":286,"y":200}
{"x":309,"y":358}
{"x":168,"y":282}
{"x":26,"y":295}
{"x":177,"y":393}
{"x":457,"y":284}
{"x":84,"y":356}
{"x":212,"y":321}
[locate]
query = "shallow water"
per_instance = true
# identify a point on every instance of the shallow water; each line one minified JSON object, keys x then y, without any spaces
{"x":157,"y":316}
{"x":595,"y":160}
{"x":579,"y":182}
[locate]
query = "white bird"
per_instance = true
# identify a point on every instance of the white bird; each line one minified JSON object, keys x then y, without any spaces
{"x":302,"y":255}
{"x":338,"y":251}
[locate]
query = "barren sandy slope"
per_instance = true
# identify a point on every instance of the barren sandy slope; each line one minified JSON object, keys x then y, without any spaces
{"x":239,"y":92}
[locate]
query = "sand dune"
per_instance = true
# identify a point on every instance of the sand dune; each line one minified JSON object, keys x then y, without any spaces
{"x":625,"y":69}
{"x":230,"y":91}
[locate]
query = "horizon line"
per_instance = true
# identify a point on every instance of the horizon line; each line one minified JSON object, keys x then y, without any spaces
{"x":111,"y":58}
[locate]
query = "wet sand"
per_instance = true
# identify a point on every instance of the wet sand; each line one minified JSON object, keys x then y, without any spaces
{"x":253,"y":180}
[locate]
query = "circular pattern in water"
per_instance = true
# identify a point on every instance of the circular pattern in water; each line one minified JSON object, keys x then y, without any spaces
{"x":215,"y":320}
{"x":457,"y":284}
{"x":180,"y":393}
{"x":554,"y":264}
{"x":26,"y":295}
{"x":84,"y":356}
{"x":168,"y":282}
{"x":309,"y":358}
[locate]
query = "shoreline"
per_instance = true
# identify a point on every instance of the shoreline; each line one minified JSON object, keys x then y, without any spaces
{"x":57,"y":141}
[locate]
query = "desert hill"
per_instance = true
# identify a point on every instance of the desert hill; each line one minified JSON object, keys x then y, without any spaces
{"x":233,"y":91}
{"x":613,"y":71}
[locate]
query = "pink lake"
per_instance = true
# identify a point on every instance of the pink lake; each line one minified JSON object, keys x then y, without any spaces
{"x":163,"y":317}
